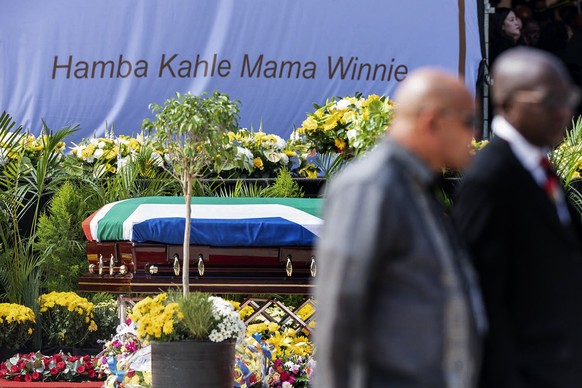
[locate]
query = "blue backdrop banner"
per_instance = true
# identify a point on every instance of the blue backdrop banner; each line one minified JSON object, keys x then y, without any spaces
{"x":98,"y":62}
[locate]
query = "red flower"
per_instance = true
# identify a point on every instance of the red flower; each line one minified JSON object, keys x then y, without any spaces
{"x":130,"y":373}
{"x":61,"y":365}
{"x":35,"y":376}
{"x":57,"y":357}
{"x":91,"y":373}
{"x":81,"y":369}
{"x":17,"y":378}
{"x":28,"y":377}
{"x":54,"y":371}
{"x":285,"y":376}
{"x":14,"y":369}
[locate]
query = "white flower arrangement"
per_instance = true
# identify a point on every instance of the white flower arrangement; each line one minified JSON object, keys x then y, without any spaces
{"x":230,"y":325}
{"x":261,"y":154}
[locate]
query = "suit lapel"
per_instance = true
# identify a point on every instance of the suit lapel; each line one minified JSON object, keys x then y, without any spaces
{"x":527,"y":188}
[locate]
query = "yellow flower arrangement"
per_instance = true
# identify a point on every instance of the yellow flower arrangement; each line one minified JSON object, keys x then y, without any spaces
{"x":16,"y":325}
{"x":110,"y":154}
{"x":567,"y":159}
{"x":287,"y":343}
{"x":26,"y":145}
{"x":157,"y":319}
{"x":176,"y":317}
{"x":67,"y":318}
{"x":261,"y":155}
{"x":348,"y":126}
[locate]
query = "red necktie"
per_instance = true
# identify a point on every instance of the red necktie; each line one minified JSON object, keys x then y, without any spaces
{"x":552,"y":183}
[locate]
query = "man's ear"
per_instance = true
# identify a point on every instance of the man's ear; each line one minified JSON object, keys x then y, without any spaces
{"x":428,"y":120}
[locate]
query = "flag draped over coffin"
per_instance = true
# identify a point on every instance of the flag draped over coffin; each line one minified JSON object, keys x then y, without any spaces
{"x":215,"y":221}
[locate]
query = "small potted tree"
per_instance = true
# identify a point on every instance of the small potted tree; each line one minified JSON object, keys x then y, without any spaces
{"x":193,"y":131}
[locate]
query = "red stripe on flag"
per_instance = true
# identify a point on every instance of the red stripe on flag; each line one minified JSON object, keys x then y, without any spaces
{"x":86,"y":225}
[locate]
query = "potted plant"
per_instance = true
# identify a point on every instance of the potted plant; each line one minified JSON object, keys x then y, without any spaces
{"x":192,"y":338}
{"x":66,"y":318}
{"x":193,"y":132}
{"x":17,"y":323}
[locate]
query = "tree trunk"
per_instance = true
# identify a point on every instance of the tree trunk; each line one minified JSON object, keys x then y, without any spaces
{"x":186,"y":252}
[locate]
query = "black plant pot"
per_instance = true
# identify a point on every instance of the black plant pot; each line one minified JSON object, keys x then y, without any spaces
{"x":188,"y":363}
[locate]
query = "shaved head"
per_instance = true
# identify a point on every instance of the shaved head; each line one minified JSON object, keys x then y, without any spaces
{"x":533,"y":91}
{"x":434,"y":118}
{"x":525,"y":69}
{"x":428,"y":88}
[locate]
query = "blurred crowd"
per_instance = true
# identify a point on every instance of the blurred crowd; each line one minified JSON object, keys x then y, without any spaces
{"x":557,"y":29}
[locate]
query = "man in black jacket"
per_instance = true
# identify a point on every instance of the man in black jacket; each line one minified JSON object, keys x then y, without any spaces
{"x":525,"y":239}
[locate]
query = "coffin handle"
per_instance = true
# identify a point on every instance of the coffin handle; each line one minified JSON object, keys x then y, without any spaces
{"x":313,"y":267}
{"x":200,"y":265}
{"x":111,"y":264}
{"x":101,"y":264}
{"x":289,"y":266}
{"x":176,"y":265}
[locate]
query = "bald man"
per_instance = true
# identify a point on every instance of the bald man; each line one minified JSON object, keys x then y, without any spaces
{"x":525,"y":239}
{"x":397,"y":303}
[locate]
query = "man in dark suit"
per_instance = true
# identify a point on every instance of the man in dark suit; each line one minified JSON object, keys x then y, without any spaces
{"x":525,"y":239}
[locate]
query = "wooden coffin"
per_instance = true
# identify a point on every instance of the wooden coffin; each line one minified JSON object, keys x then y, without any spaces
{"x":136,"y":267}
{"x":125,"y":267}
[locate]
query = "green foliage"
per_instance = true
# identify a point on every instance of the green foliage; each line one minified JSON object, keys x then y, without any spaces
{"x":193,"y":130}
{"x":66,"y":318}
{"x":197,"y":310}
{"x":60,"y":233}
{"x":567,"y":158}
{"x":284,"y":187}
{"x":24,"y":186}
{"x":329,"y":164}
{"x":240,"y":189}
{"x":105,"y":316}
{"x":139,"y":177}
{"x":17,"y":323}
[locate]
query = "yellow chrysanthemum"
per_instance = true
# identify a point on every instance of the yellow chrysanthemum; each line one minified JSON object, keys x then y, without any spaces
{"x":309,"y":124}
{"x":340,"y":144}
{"x":273,"y":327}
{"x":258,"y":163}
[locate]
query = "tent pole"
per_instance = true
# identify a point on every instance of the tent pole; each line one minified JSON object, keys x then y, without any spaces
{"x":487,"y":81}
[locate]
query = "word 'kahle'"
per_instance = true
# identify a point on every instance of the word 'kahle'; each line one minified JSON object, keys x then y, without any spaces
{"x":173,"y":66}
